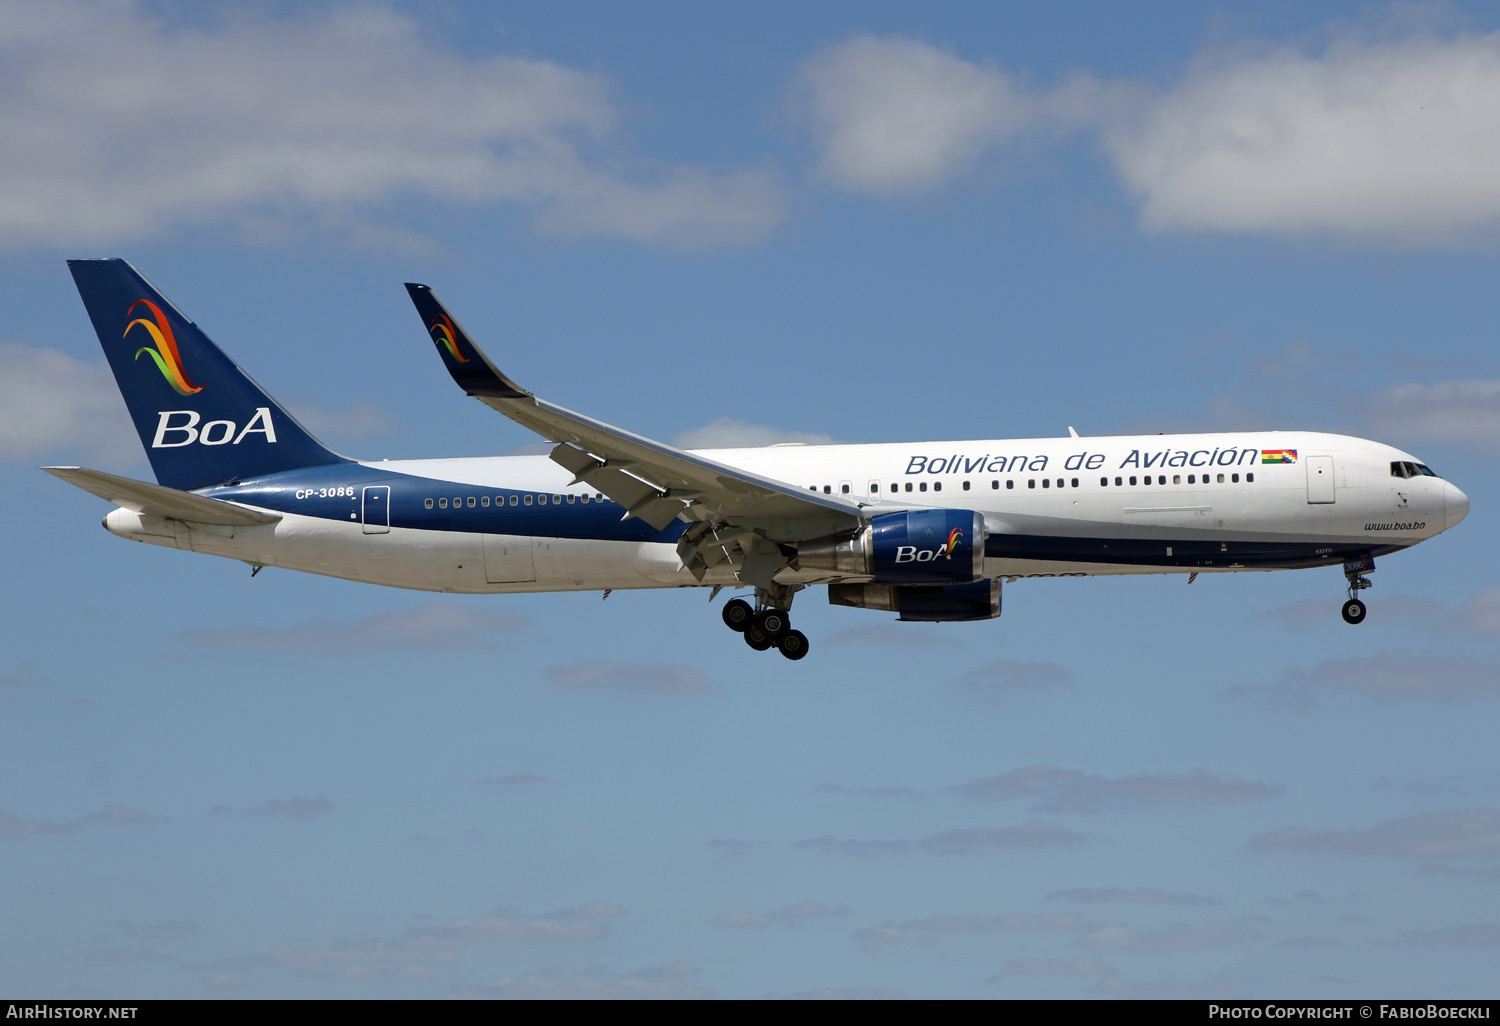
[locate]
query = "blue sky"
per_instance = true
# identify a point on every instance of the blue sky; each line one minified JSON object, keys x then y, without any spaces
{"x":857,"y":222}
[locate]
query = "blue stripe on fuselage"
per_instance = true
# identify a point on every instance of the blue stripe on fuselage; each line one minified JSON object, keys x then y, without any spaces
{"x":337,"y":493}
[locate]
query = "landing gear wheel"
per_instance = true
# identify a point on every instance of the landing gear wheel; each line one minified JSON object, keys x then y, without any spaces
{"x":793,"y":644}
{"x":774,"y":622}
{"x":757,"y":639}
{"x":738,"y":614}
{"x":1354,"y":611}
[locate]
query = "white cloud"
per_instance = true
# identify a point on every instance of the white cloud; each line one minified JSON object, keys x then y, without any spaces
{"x":1431,"y":835}
{"x":1076,"y":967}
{"x":1034,"y":833}
{"x":1131,"y":895}
{"x":13,"y":826}
{"x":1467,"y":412}
{"x":50,"y":402}
{"x":294,"y":808}
{"x":1011,"y":676}
{"x":1397,"y":675}
{"x":118,"y":126}
{"x":1063,"y":790}
{"x":791,"y":914}
{"x":727,"y":433}
{"x":417,"y":953}
{"x":639,"y":679}
{"x":894,"y":115}
{"x":440,"y":625}
{"x":657,"y":984}
{"x":1390,"y":138}
{"x":1166,"y":940}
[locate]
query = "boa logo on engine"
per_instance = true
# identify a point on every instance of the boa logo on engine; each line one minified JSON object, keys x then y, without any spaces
{"x":912,"y":554}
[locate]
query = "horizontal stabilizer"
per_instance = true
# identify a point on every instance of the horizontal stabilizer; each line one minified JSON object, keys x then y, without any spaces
{"x":159,"y":501}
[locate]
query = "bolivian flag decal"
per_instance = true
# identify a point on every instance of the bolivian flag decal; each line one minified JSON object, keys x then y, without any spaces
{"x":1278,"y":455}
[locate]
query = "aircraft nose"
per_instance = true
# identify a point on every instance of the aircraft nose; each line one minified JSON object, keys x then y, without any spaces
{"x":1455,"y":504}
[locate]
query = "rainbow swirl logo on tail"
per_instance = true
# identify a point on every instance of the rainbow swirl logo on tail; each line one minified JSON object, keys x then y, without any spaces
{"x":168,"y":359}
{"x":953,"y":538}
{"x":445,"y":334}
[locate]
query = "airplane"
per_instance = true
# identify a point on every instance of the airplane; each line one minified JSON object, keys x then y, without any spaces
{"x":927,"y":530}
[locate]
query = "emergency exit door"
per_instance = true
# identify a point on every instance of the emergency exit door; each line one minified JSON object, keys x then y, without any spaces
{"x":376,"y":505}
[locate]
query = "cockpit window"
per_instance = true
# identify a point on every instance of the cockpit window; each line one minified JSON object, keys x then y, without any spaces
{"x":1405,"y":468}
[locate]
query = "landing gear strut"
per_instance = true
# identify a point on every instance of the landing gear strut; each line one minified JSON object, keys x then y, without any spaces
{"x":767,"y":624}
{"x":1354,"y":571}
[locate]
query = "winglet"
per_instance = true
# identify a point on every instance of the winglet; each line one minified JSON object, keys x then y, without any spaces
{"x":471,"y":369}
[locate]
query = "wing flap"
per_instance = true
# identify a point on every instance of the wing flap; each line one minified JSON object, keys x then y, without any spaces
{"x":160,"y":501}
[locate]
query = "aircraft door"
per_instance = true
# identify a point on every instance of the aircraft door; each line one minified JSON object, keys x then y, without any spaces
{"x":1320,"y":479}
{"x":375,"y":508}
{"x":508,"y":559}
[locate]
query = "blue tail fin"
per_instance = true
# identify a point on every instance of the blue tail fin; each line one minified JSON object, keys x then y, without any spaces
{"x":201,"y":418}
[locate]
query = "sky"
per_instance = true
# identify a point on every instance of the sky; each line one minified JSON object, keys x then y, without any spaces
{"x":739,"y":224}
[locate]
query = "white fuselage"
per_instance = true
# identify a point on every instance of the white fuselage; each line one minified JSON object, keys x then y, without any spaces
{"x":1052,"y":507}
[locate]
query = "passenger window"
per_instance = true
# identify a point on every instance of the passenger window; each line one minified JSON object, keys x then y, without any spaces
{"x":1031,"y":483}
{"x":1235,"y":478}
{"x":1010,"y":484}
{"x":812,"y":488}
{"x":1144,"y":480}
{"x":1161,"y":479}
{"x":908,"y":486}
{"x":1221,"y":479}
{"x":937,"y":486}
{"x":1192,"y":479}
{"x":427,"y":503}
{"x":514,"y":500}
{"x":1117,"y":482}
{"x":966,"y":486}
{"x":572,"y":499}
{"x":485,"y":501}
{"x":1059,"y":482}
{"x":471,"y":502}
{"x":1177,"y":479}
{"x":844,"y":489}
{"x":442,"y":503}
{"x":1046,"y":482}
{"x":557,"y":500}
{"x":598,"y":496}
{"x":1132,"y":482}
{"x":995,"y":485}
{"x":828,"y":489}
{"x":457,"y":502}
{"x":541,"y":500}
{"x":1075,"y":482}
{"x":922,"y":487}
{"x":527,"y":499}
{"x":584,"y":498}
{"x":1249,"y":477}
{"x":1104,"y":482}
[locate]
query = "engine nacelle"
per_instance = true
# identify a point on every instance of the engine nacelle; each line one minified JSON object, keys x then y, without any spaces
{"x":933,"y":604}
{"x":920,"y":546}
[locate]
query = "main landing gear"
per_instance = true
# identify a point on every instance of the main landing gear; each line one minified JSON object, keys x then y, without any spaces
{"x":767,"y":627}
{"x":1354,"y":572}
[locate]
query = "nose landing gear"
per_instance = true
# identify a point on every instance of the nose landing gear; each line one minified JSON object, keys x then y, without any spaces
{"x":769,"y":625}
{"x":1354,"y":571}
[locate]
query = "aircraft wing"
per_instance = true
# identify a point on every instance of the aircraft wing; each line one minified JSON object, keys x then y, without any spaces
{"x":160,"y":501}
{"x":655,"y":482}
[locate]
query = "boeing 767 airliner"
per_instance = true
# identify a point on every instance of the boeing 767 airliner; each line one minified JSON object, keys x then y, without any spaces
{"x":927,"y":530}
